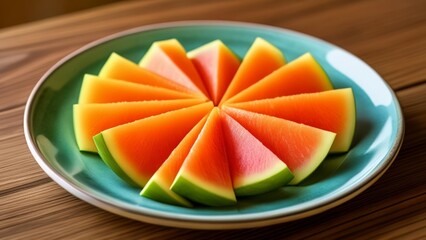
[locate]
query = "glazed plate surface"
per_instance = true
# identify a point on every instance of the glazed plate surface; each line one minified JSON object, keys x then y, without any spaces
{"x":50,"y":135}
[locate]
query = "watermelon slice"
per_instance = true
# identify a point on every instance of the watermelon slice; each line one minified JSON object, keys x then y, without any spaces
{"x":254,"y":168}
{"x":332,"y":110}
{"x":136,"y":150}
{"x":91,"y":119}
{"x":158,"y":186}
{"x":168,"y":59}
{"x":204,"y":176}
{"x":98,"y":90}
{"x":302,"y":148}
{"x":217,"y":65}
{"x":260,"y":60}
{"x":302,"y":75}
{"x":120,"y":68}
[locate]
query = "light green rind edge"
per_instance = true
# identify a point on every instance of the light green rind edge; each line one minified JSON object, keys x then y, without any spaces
{"x":109,"y":159}
{"x":321,"y":68}
{"x":268,"y":184}
{"x":316,"y":160}
{"x":154,"y":191}
{"x":198,"y":194}
{"x":78,"y":132}
{"x":350,"y":137}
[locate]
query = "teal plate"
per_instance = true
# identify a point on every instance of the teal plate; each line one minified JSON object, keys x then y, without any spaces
{"x":50,"y":137}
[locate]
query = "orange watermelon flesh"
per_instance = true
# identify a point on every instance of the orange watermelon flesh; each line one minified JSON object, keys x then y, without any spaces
{"x":168,"y":59}
{"x":217,"y":65}
{"x":260,"y":60}
{"x":204,"y":176}
{"x":254,"y":168}
{"x":137,"y":149}
{"x":303,"y":75}
{"x":120,"y":68}
{"x":158,"y":186}
{"x":91,"y":119}
{"x":302,"y":148}
{"x":332,"y":110}
{"x":98,"y":90}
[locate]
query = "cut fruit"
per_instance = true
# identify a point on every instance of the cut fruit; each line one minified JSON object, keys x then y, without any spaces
{"x":204,"y":127}
{"x":91,"y":119}
{"x":302,"y":148}
{"x":204,"y":176}
{"x":260,"y":60}
{"x":303,"y":75}
{"x":168,"y":59}
{"x":158,"y":186}
{"x":120,"y":68}
{"x":332,"y":110}
{"x":136,"y":150}
{"x":98,"y":90}
{"x":217,"y":65}
{"x":254,"y":168}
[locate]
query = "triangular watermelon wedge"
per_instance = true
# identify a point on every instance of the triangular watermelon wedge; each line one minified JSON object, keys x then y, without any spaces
{"x":158,"y":186}
{"x":136,"y":150}
{"x":217,"y":65}
{"x":91,"y":119}
{"x":120,"y":68}
{"x":261,"y":59}
{"x":254,"y":168}
{"x":302,"y":148}
{"x":332,"y":110}
{"x":104,"y":90}
{"x":302,"y":75}
{"x":204,"y":176}
{"x":168,"y":58}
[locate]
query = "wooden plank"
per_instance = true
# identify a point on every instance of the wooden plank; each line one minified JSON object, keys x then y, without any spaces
{"x":19,"y":170}
{"x":11,"y":122}
{"x":45,"y":210}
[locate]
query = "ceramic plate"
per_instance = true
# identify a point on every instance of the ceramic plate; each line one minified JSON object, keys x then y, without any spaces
{"x":49,"y":130}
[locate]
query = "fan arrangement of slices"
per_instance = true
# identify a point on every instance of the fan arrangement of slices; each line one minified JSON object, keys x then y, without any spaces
{"x":207,"y":127}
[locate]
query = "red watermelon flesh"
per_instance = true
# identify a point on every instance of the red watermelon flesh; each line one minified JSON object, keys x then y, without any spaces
{"x":332,"y":110}
{"x":254,"y":168}
{"x":217,"y":65}
{"x":302,"y":148}
{"x":204,"y":176}
{"x":168,"y":59}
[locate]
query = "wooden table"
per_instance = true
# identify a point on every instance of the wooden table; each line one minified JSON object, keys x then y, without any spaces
{"x":390,"y":35}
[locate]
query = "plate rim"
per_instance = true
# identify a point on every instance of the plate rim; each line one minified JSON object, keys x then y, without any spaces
{"x":207,"y":221}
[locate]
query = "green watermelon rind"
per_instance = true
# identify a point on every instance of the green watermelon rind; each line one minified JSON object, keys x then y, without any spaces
{"x":351,"y":124}
{"x":266,"y":184}
{"x":155,"y":191}
{"x":109,"y":160}
{"x":321,"y":69}
{"x":317,"y":158}
{"x":197,"y":193}
{"x":78,"y":131}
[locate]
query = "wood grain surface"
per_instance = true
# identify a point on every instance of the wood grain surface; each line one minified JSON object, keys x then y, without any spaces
{"x":390,"y":35}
